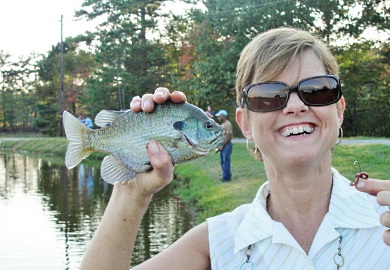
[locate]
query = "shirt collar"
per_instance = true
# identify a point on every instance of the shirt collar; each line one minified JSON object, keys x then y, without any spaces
{"x":348,"y":208}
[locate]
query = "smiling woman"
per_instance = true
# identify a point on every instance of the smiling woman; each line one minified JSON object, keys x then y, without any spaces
{"x":306,"y":216}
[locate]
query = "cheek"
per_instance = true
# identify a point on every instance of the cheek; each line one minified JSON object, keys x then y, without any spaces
{"x":262,"y":127}
{"x":331,"y":121}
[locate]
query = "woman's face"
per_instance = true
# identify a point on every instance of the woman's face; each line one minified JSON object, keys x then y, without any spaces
{"x":272,"y":131}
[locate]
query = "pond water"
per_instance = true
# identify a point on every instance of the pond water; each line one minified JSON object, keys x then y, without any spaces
{"x":48,"y":214}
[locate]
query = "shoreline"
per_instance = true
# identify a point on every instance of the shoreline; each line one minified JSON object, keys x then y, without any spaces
{"x":198,"y":182}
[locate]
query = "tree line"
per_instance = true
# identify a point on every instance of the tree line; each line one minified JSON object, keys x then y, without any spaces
{"x":142,"y":44}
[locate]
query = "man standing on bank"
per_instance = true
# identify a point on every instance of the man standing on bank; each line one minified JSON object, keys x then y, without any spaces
{"x":227,"y":147}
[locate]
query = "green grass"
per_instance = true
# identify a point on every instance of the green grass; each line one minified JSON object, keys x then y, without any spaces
{"x":365,"y":138}
{"x":374,"y":159}
{"x":212,"y":197}
{"x":198,"y":182}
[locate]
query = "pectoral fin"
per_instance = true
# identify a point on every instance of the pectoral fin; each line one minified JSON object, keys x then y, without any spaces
{"x":113,"y":171}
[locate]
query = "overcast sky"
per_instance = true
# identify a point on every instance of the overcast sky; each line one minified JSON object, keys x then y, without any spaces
{"x":34,"y":25}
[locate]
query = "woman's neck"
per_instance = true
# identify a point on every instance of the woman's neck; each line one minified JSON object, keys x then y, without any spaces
{"x":300,"y":200}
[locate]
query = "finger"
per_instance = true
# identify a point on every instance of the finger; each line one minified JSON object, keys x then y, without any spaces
{"x":386,"y":237}
{"x":160,"y":160}
{"x":147,"y":103}
{"x":178,"y":97}
{"x":373,"y":186}
{"x":383,"y":198}
{"x":162,"y":173}
{"x":135,"y":104}
{"x":385,"y":219}
{"x":161,"y":95}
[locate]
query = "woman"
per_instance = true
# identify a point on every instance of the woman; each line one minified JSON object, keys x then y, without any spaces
{"x":306,"y":216}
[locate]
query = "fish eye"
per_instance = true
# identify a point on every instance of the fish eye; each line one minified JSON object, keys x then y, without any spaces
{"x":209,"y":124}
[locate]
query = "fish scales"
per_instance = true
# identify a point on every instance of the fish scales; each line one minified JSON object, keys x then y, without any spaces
{"x":128,"y":147}
{"x":184,"y":130}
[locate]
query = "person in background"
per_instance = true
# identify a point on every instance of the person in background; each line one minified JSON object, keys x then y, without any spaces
{"x":88,"y":122}
{"x":306,"y":216}
{"x":210,"y":112}
{"x":81,"y":118}
{"x":227,"y":146}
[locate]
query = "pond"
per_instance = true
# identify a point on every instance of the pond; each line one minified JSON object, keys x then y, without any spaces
{"x":49,"y":213}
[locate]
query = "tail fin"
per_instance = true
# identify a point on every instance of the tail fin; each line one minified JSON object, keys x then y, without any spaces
{"x":74,"y":133}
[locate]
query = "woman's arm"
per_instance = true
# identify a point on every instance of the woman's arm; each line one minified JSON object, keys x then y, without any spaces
{"x":112,"y":244}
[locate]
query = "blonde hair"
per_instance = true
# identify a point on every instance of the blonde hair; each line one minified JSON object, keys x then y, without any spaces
{"x":270,"y":53}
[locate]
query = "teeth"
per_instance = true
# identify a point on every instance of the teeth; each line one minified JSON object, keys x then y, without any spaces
{"x":305,"y":129}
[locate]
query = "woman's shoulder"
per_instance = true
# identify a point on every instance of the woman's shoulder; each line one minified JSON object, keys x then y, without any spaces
{"x":229,"y":219}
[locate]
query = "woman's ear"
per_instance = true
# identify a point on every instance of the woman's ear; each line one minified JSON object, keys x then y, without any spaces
{"x":243,"y":122}
{"x":340,"y":110}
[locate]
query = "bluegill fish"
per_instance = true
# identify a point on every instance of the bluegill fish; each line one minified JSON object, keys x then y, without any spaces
{"x":184,"y":130}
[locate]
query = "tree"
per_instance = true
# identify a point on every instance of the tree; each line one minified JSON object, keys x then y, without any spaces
{"x":78,"y":67}
{"x":131,"y":58}
{"x":365,"y":71}
{"x":17,"y":101}
{"x":222,"y":31}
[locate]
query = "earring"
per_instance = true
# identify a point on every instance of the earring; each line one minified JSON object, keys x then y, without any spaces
{"x":341,"y":134}
{"x":247,"y":148}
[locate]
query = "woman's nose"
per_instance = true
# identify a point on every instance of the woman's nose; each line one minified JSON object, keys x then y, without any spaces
{"x":295,"y":105}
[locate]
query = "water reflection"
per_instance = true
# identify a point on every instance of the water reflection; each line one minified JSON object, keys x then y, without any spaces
{"x":48,"y":214}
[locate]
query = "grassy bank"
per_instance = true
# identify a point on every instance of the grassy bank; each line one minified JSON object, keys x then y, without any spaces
{"x":214,"y":197}
{"x":199,"y":180}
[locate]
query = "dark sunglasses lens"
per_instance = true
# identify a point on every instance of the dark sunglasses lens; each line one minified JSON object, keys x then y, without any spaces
{"x":267,"y":96}
{"x":319,"y":91}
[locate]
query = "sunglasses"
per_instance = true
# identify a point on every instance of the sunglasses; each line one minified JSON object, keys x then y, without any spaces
{"x":271,"y":96}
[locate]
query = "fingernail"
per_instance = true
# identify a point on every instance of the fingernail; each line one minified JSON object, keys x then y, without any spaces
{"x":137,"y":104}
{"x":361,"y":184}
{"x":159,"y":94}
{"x":153,"y":148}
{"x":147,"y":104}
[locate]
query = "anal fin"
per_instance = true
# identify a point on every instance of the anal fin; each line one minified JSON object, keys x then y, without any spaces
{"x":113,"y":171}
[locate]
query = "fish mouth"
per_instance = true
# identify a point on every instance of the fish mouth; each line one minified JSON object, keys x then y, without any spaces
{"x":196,"y":148}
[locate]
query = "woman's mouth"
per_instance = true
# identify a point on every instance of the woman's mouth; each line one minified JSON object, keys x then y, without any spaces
{"x":297,"y":130}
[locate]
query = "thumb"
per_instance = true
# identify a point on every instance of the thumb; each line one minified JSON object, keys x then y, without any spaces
{"x":373,"y":186}
{"x":160,"y":160}
{"x":162,"y":174}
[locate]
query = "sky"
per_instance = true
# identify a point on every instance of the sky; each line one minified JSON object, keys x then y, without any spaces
{"x":28,"y":26}
{"x":35,"y":25}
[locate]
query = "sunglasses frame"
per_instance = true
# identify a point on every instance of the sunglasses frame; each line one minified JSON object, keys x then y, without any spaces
{"x":293,"y":88}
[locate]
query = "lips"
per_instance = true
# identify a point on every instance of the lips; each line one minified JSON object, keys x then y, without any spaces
{"x":297,"y":130}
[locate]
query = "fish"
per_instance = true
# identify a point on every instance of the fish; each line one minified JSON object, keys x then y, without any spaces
{"x":183,"y":129}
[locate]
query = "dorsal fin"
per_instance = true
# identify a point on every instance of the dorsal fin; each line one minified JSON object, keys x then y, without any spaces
{"x":106,"y":117}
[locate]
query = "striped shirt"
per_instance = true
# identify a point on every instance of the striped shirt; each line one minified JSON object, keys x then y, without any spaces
{"x":352,"y":214}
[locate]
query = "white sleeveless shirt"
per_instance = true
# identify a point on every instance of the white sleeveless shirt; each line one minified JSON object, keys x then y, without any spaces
{"x":352,"y":214}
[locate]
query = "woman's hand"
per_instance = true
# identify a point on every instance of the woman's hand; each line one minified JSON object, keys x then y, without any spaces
{"x":161,"y":94}
{"x":380,"y":189}
{"x":112,"y":245}
{"x":151,"y":182}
